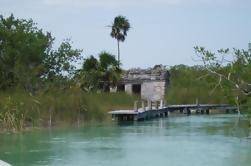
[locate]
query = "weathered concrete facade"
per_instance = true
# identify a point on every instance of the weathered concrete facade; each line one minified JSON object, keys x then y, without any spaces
{"x":154,"y":91}
{"x":150,"y":84}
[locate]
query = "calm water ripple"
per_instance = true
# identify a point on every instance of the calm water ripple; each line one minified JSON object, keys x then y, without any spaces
{"x":215,"y":140}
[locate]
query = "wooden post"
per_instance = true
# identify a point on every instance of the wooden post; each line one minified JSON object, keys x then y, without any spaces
{"x":207,"y":111}
{"x":157,"y":105}
{"x":50,"y":118}
{"x":143,"y":105}
{"x":164,"y":103}
{"x":135,"y":117}
{"x":136,"y":106}
{"x":166,"y":114}
{"x":149,"y":104}
{"x":198,"y":110}
{"x":188,"y":111}
{"x":125,"y":117}
{"x":161,"y":104}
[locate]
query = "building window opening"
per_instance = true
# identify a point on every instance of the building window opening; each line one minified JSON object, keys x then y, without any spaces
{"x":136,"y":89}
{"x":121,"y":88}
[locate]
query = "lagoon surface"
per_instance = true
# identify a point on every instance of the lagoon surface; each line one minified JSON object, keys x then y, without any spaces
{"x":215,"y":140}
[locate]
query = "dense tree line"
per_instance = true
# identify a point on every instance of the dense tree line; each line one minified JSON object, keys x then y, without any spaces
{"x":40,"y":84}
{"x":191,"y":84}
{"x":29,"y":61}
{"x":102,"y":73}
{"x":232,"y":69}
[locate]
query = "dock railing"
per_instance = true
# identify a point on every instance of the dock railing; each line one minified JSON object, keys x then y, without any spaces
{"x":145,"y":105}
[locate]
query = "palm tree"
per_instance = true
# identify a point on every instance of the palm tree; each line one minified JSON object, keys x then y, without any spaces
{"x":119,"y":30}
{"x":101,"y":73}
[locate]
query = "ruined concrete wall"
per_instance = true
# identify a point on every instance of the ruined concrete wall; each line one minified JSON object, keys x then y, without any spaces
{"x":154,"y":91}
{"x":138,"y":76}
{"x":128,"y":88}
{"x":153,"y":81}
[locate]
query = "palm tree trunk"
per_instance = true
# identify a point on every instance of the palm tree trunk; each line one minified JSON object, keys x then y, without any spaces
{"x":118,"y":53}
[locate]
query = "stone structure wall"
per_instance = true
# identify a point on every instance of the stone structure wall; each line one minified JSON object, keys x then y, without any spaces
{"x":154,"y":91}
{"x":128,"y":88}
{"x":153,"y":82}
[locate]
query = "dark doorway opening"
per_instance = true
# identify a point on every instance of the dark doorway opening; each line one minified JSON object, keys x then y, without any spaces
{"x":136,"y":89}
{"x":121,"y":88}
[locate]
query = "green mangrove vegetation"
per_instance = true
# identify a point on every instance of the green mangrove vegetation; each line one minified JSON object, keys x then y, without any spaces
{"x":41,"y":86}
{"x":191,"y":84}
{"x":223,"y":77}
{"x":71,"y":107}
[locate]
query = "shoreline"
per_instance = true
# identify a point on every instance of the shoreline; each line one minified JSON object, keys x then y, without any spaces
{"x":106,"y":122}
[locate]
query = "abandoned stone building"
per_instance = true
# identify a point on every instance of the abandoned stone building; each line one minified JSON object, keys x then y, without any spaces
{"x":150,"y":84}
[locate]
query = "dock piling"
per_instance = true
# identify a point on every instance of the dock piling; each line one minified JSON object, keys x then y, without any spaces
{"x":188,"y":111}
{"x":143,"y":105}
{"x":156,"y":105}
{"x":157,"y":110}
{"x":161,"y":104}
{"x":149,"y":104}
{"x":135,"y":106}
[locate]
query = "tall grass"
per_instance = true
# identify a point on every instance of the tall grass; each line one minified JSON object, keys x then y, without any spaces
{"x":189,"y":95}
{"x":188,"y":84}
{"x":19,"y":110}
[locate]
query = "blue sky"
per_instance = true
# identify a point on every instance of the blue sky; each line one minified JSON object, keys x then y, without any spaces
{"x":163,"y":31}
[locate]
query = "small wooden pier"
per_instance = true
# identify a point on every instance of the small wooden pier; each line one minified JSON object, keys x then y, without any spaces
{"x":155,"y":110}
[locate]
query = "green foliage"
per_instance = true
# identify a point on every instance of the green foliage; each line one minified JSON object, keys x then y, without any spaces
{"x":23,"y":48}
{"x":11,"y":117}
{"x":19,"y":109}
{"x":188,"y":84}
{"x":38,"y":83}
{"x":99,"y":74}
{"x":232,"y":71}
{"x":16,"y":111}
{"x":120,"y":27}
{"x":61,"y":63}
{"x":27,"y":58}
{"x":247,"y":105}
{"x":90,"y":64}
{"x":107,"y":61}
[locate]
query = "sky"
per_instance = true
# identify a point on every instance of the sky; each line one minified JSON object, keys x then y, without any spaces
{"x":163,"y":31}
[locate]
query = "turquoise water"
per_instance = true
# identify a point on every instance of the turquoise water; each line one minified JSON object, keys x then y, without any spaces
{"x":215,"y":140}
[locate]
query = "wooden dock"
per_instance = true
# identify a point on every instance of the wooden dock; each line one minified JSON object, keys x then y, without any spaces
{"x":145,"y":113}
